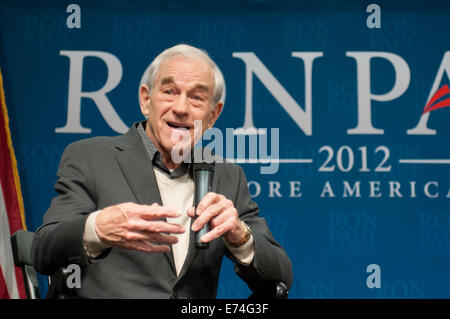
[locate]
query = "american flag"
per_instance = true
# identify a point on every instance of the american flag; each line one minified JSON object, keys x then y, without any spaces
{"x":11,"y":208}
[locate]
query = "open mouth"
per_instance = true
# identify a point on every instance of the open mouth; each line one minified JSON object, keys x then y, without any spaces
{"x":178,"y":126}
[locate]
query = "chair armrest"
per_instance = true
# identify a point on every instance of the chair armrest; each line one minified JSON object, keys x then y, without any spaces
{"x":21,"y":242}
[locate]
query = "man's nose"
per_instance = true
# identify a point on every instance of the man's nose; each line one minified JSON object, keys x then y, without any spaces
{"x":181,"y":106}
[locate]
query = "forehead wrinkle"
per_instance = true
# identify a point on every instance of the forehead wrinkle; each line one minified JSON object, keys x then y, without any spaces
{"x":203,"y":75}
{"x":197,"y":86}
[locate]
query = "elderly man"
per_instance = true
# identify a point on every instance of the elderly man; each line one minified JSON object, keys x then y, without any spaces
{"x":124,"y":206}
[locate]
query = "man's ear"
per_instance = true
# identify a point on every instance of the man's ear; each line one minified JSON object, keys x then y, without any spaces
{"x":144,"y":100}
{"x":215,"y":114}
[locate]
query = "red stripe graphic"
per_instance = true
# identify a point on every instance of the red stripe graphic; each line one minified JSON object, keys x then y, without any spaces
{"x":439,"y":105}
{"x":432,"y":105}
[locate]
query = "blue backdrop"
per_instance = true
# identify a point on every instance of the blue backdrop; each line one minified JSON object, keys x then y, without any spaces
{"x":363,"y":176}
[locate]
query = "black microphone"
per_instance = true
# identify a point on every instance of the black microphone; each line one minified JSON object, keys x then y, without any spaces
{"x":203,"y":176}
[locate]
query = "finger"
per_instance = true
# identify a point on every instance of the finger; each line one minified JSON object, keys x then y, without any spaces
{"x":218,"y":231}
{"x":206,"y":216}
{"x":191,"y":212}
{"x":155,"y":211}
{"x":158,"y":212}
{"x":134,"y":236}
{"x":155,"y":226}
{"x":147,"y":242}
{"x":208,"y":200}
{"x":148,"y":247}
{"x":214,"y":210}
{"x":162,"y":239}
{"x":221,"y":218}
{"x":156,"y":238}
{"x":163,"y":227}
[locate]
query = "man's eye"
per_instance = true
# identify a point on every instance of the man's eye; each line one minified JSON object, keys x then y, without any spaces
{"x":168,"y":92}
{"x":198,"y":98}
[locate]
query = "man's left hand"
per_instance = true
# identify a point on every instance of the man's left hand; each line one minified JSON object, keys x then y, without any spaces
{"x":222,"y":216}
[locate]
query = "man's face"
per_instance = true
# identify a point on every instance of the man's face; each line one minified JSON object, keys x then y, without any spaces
{"x":183,"y":93}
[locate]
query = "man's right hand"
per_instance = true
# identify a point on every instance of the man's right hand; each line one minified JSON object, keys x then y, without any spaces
{"x":138,"y":227}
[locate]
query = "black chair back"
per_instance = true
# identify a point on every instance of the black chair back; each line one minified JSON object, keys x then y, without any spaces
{"x":21,"y":242}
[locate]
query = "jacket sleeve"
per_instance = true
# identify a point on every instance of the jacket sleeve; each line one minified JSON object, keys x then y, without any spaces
{"x":59,"y":241}
{"x":270,"y":263}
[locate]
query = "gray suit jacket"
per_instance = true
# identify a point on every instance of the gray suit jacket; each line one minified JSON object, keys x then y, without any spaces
{"x":104,"y":171}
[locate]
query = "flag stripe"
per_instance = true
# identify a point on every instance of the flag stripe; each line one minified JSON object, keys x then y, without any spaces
{"x":11,"y":165}
{"x":11,"y":206}
{"x":4,"y":294}
{"x":6,"y":256}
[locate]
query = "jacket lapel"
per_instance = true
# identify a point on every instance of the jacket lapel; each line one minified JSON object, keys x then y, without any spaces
{"x":138,"y":171}
{"x":190,"y":254}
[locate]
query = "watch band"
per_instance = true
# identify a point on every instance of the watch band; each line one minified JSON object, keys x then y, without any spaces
{"x":245,"y":238}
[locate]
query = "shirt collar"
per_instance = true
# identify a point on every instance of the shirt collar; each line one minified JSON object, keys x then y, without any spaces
{"x":155,"y":156}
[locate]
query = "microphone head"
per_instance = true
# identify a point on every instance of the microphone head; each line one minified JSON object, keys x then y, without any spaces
{"x":203,"y":159}
{"x":203,"y":167}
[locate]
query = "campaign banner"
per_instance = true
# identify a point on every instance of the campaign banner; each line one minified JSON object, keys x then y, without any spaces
{"x":336,"y":110}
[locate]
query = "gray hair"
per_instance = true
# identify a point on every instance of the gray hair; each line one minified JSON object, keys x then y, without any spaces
{"x":190,"y":52}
